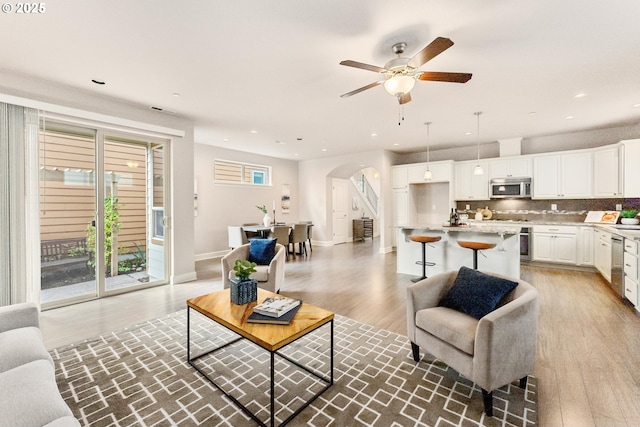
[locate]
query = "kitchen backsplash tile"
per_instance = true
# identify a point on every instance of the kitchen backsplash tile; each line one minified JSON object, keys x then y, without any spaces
{"x":573,"y":210}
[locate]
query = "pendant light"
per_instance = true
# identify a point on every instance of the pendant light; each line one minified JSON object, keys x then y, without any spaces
{"x":427,"y":174}
{"x":478,"y":169}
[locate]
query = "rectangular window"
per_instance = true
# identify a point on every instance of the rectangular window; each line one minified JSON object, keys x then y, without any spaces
{"x":227,"y":172}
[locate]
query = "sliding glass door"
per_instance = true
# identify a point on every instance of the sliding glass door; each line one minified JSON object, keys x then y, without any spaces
{"x":90,"y":248}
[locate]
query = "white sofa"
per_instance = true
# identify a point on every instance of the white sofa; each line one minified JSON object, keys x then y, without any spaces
{"x":29,"y":394}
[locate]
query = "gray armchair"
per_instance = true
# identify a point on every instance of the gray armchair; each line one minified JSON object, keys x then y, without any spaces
{"x":493,"y":351}
{"x":269,"y":277}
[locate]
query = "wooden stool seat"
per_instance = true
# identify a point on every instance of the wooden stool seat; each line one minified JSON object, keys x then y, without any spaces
{"x":475,"y":247}
{"x":423,"y":240}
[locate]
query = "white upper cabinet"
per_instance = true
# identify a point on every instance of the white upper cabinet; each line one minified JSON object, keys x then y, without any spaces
{"x":441,"y":171}
{"x":631,"y":168}
{"x":415,"y":172}
{"x":399,"y":177}
{"x":520,"y":166}
{"x":606,"y":179}
{"x":469,"y":186}
{"x":567,"y":175}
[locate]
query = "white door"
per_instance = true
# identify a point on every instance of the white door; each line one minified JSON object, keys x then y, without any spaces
{"x":339,"y":203}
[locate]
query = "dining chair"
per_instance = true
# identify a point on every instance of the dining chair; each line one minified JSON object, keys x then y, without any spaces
{"x":252,"y":234}
{"x":299,"y":234}
{"x":309,"y":229}
{"x":236,"y":236}
{"x":281,"y":233}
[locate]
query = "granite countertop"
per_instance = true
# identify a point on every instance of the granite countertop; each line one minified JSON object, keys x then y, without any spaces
{"x":494,"y":228}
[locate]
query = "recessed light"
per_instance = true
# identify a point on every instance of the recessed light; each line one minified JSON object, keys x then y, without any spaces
{"x":176,"y":94}
{"x":98,"y":82}
{"x":570,"y":117}
{"x":374,"y":134}
{"x":395,"y":144}
{"x":296,"y":154}
{"x":253,"y":131}
{"x":226,"y":139}
{"x":468,"y":133}
{"x":324,"y":149}
{"x":636,"y":105}
{"x":580,"y":95}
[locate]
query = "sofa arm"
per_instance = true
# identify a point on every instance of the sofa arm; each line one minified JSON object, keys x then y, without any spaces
{"x":505,"y":344}
{"x":19,"y":316}
{"x":426,"y":294}
{"x":276,"y":267}
{"x":229,"y":261}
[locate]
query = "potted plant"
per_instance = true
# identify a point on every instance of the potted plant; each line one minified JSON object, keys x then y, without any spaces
{"x":266,"y":220}
{"x":629,"y":216}
{"x":244,"y":289}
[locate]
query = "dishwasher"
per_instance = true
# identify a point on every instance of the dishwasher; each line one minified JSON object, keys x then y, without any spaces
{"x":617,"y":262}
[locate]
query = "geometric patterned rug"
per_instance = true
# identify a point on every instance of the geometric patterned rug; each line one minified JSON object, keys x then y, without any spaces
{"x":139,"y":377}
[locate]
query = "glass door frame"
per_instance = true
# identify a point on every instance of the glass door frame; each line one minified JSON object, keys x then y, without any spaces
{"x":101,"y":135}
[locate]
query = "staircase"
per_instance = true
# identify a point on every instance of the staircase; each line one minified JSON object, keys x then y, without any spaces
{"x":366,"y":190}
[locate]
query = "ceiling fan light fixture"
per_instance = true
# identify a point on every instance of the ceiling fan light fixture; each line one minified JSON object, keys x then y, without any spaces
{"x":399,"y":85}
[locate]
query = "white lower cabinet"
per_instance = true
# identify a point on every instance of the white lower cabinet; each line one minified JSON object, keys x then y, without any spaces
{"x":602,"y":253}
{"x":631,"y":278}
{"x":585,"y":245}
{"x":555,"y":244}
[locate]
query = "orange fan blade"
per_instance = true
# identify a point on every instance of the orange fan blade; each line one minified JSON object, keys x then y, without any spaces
{"x":437,"y":76}
{"x":404,"y":98}
{"x":430,"y":51}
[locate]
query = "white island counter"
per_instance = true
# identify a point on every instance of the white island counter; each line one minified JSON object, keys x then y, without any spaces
{"x":448,"y":255}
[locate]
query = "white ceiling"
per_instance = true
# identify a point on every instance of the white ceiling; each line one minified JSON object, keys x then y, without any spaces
{"x":273,"y":67}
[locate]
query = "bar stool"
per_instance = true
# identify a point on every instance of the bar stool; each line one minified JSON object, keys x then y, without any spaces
{"x":424,"y":240}
{"x":476,"y":246}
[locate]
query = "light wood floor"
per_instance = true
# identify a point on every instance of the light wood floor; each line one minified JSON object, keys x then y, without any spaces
{"x":588,"y":364}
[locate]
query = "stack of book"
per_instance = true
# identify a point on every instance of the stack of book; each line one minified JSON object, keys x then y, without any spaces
{"x":277,"y":310}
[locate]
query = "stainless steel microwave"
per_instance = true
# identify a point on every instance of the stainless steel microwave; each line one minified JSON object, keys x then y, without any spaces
{"x":510,"y":188}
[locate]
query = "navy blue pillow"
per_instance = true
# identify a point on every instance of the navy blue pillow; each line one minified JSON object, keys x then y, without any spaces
{"x":262,"y":251}
{"x":475,"y":293}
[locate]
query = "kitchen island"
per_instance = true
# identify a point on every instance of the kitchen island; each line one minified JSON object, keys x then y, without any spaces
{"x":448,"y":255}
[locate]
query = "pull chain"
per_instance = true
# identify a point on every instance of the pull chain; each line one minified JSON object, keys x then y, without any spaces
{"x":400,"y":114}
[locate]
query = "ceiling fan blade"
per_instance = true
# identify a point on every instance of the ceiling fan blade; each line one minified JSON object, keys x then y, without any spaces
{"x":369,"y":86}
{"x":437,"y":76}
{"x":430,"y":51}
{"x":363,"y":66}
{"x":404,"y":98}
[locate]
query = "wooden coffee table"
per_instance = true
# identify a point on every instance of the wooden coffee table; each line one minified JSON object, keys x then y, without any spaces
{"x":218,"y":307}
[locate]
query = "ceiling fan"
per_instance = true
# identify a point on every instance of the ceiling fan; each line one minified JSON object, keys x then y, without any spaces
{"x":400,"y":74}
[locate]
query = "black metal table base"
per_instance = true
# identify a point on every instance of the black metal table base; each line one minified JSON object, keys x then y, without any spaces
{"x":328,"y":381}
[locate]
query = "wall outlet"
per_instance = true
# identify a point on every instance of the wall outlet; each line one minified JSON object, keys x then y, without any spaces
{"x":618,"y":207}
{"x":554,"y":207}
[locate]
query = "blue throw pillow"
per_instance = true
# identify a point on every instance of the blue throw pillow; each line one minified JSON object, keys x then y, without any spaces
{"x":475,"y":293}
{"x":262,"y":251}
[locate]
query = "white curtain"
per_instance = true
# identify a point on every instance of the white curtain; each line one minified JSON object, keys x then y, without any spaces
{"x":19,"y":215}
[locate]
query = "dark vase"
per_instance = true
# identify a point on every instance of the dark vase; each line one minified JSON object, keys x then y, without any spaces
{"x":244,"y":291}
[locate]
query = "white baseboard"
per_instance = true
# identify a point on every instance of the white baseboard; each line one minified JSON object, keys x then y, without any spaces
{"x":182,"y":278}
{"x":211,"y":255}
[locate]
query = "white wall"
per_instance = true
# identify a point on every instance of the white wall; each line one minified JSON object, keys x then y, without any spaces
{"x":221,"y":205}
{"x":108,"y":111}
{"x":314,"y":178}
